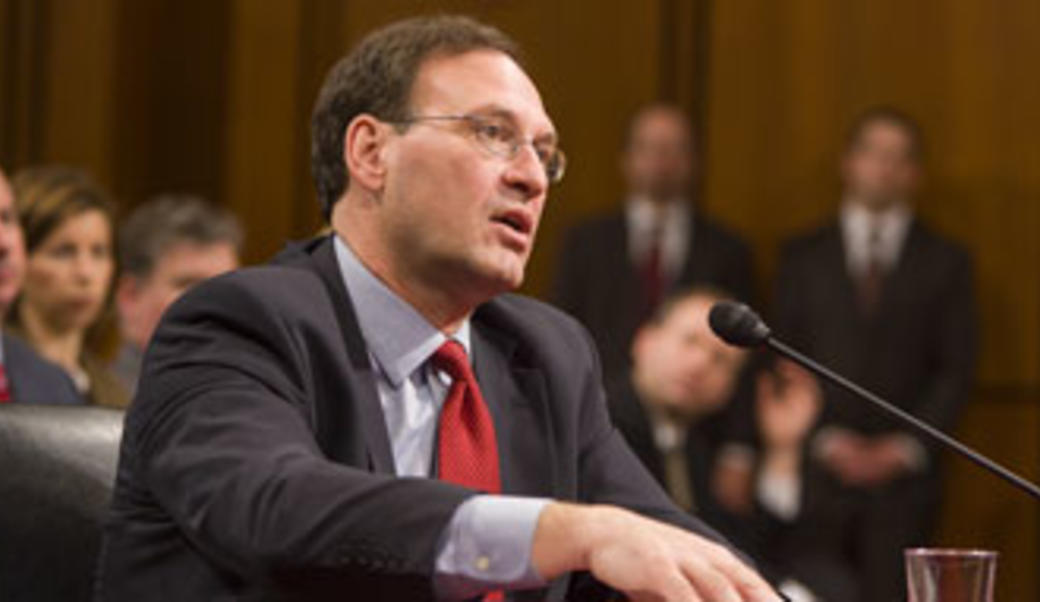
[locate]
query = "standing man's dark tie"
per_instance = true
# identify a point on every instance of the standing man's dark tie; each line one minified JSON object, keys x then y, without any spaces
{"x":652,"y":274}
{"x":872,"y":280}
{"x":467,"y":451}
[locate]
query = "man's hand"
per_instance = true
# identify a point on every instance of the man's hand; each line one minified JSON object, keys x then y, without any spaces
{"x":644,"y":559}
{"x":787,"y":404}
{"x":860,"y":461}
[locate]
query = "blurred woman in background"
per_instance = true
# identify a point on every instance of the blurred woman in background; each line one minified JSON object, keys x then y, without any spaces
{"x":66,"y":309}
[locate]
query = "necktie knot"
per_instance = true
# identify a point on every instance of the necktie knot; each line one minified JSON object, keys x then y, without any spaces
{"x":451,"y":358}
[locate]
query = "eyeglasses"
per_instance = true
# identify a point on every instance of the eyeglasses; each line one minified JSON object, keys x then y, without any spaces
{"x":501,"y":139}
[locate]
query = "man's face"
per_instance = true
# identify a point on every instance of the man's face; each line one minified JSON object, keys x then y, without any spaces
{"x":658,"y":161}
{"x":682,"y":365}
{"x":142,"y":301}
{"x":12,"y":248}
{"x":452,"y":213}
{"x":880,"y":168}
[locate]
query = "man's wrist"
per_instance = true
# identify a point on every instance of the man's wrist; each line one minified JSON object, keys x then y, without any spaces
{"x":563,"y":537}
{"x":782,"y":460}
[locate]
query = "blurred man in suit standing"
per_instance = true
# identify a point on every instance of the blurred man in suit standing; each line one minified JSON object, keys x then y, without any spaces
{"x":25,"y":377}
{"x":615,"y":269}
{"x":883,"y":299}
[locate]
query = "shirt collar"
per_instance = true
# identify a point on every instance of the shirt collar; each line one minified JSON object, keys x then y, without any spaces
{"x":398,"y":337}
{"x":892,"y":225}
{"x":642,"y":213}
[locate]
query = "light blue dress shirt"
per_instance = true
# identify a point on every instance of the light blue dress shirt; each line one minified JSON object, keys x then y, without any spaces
{"x":487,"y":543}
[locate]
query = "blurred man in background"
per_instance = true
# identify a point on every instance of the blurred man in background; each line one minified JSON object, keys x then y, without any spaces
{"x":614,"y":270}
{"x":883,"y":299}
{"x":25,"y":377}
{"x":166,"y":246}
{"x":675,"y":409}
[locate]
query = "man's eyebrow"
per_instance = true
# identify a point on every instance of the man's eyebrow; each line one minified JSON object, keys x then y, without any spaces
{"x":495,"y":110}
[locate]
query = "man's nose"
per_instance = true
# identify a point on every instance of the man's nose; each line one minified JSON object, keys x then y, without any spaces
{"x":526,"y":173}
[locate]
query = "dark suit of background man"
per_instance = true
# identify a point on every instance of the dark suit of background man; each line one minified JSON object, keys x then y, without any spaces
{"x":880,"y":297}
{"x":616,"y":268}
{"x":289,"y":417}
{"x":25,"y":377}
{"x":674,"y":407}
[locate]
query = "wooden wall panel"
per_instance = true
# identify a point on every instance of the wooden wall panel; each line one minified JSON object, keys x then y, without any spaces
{"x":262,"y":134}
{"x":784,"y":83}
{"x":77,"y":97}
{"x":169,"y":109}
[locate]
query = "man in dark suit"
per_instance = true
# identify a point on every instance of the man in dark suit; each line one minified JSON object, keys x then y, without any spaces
{"x":25,"y":377}
{"x":880,"y":297}
{"x":290,"y":418}
{"x":676,"y":408}
{"x":614,"y":269}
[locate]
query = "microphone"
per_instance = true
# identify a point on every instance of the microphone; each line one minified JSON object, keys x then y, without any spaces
{"x":738,"y":325}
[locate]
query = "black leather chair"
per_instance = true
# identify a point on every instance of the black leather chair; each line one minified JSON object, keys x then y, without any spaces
{"x":57,"y":468}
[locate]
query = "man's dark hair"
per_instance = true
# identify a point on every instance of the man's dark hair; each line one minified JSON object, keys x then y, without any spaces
{"x":377,"y":77}
{"x":708,"y":292}
{"x":890,"y":115}
{"x":170,"y":219}
{"x":658,"y":105}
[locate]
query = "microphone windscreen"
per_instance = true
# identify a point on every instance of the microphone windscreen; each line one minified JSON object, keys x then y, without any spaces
{"x":738,"y":324}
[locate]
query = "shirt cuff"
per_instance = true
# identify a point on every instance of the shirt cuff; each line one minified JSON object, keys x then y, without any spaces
{"x":780,"y":494}
{"x":737,"y":454}
{"x":487,"y":546}
{"x":914,"y":453}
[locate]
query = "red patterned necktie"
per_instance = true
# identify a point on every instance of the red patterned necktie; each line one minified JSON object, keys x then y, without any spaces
{"x":467,"y":452}
{"x":5,"y":388}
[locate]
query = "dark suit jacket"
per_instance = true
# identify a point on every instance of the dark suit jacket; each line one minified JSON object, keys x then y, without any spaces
{"x":916,"y":350}
{"x":33,"y":379}
{"x":256,"y":465}
{"x":597,"y":283}
{"x":703,"y":440}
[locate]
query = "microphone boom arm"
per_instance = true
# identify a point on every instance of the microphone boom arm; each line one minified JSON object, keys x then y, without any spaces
{"x":948,"y":441}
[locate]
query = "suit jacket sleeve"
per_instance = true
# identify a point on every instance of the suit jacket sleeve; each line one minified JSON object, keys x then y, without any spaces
{"x":222,"y":434}
{"x":953,"y":347}
{"x":611,"y":473}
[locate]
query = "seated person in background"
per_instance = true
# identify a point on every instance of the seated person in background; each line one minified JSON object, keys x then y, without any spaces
{"x":372,"y":417}
{"x":24,"y":376}
{"x":674,"y":408}
{"x":65,"y":310}
{"x":165,"y":246}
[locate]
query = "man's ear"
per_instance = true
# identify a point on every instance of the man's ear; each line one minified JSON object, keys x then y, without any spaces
{"x":363,"y":146}
{"x":128,"y":289}
{"x":641,"y":341}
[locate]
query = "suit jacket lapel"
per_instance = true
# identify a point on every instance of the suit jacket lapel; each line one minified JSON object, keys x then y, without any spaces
{"x":623,"y":286}
{"x":900,"y":280}
{"x":518,"y":402}
{"x":359,"y":372}
{"x":837,"y":272}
